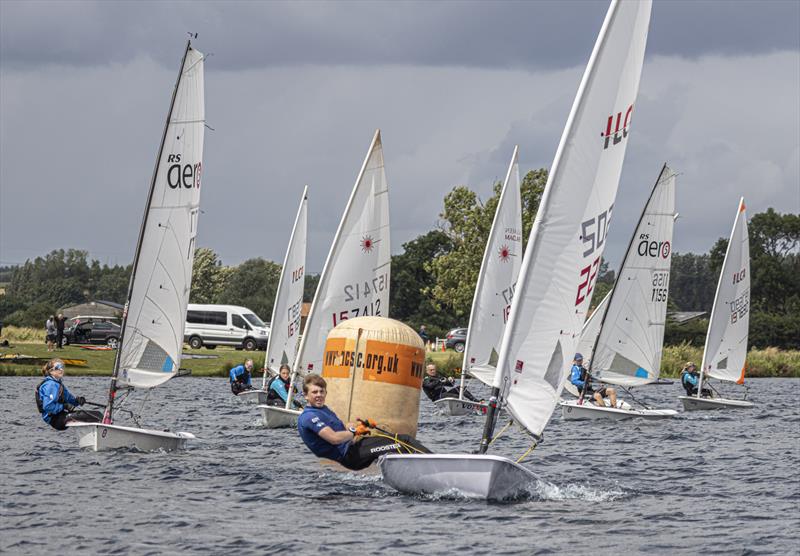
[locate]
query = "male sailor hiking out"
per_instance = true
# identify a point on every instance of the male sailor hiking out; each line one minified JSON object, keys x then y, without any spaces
{"x":355,"y":446}
{"x":55,"y":403}
{"x":437,"y":387}
{"x":582,"y":380}
{"x":278,"y":389}
{"x":240,"y":377}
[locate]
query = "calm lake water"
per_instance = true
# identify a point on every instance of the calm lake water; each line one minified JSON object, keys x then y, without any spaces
{"x":704,"y":482}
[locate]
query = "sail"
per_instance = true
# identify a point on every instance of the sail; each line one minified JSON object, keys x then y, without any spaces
{"x":355,"y":279}
{"x":631,"y":340}
{"x":285,"y":326}
{"x":566,"y":245}
{"x":589,"y":332}
{"x":726,"y":343}
{"x":497,"y":279}
{"x":155,"y":314}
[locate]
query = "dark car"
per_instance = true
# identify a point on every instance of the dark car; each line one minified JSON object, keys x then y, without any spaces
{"x":456,"y":339}
{"x":92,"y":332}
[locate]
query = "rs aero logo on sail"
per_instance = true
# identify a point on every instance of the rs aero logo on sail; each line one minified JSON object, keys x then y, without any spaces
{"x":616,"y":132}
{"x":182,"y":175}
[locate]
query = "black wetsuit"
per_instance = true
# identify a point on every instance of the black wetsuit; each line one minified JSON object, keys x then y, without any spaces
{"x":437,"y":387}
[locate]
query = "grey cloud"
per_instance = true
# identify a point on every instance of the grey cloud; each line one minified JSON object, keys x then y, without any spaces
{"x":465,"y":33}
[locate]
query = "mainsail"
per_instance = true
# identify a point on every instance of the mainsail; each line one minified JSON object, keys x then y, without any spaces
{"x":355,"y":279}
{"x":155,"y":313}
{"x":628,"y":349}
{"x":726,"y":342}
{"x":497,"y":279}
{"x":285,"y":326}
{"x":563,"y":254}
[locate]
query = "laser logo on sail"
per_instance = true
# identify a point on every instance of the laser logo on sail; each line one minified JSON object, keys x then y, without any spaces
{"x":620,"y":128}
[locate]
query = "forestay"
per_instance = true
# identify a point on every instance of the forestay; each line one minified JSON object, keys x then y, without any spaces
{"x":631,"y":340}
{"x":155,"y":314}
{"x":497,"y":280}
{"x":355,"y":278}
{"x":568,"y":236}
{"x":285,"y":325}
{"x":726,"y":343}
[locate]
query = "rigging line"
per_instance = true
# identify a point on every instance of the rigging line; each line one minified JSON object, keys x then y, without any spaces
{"x":528,"y":452}
{"x":203,"y":121}
{"x":510,"y":422}
{"x":628,"y":391}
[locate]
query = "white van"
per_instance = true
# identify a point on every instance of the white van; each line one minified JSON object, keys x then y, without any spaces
{"x":224,"y":325}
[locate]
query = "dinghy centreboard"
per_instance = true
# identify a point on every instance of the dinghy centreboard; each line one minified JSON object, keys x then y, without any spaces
{"x":151,"y":338}
{"x":494,"y":292}
{"x":560,"y":264}
{"x":627,"y":330}
{"x":725,"y":352}
{"x":285,"y":331}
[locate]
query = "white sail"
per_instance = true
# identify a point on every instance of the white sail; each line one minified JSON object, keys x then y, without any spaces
{"x":156,"y":310}
{"x":355,"y":279}
{"x":725,"y":352}
{"x":285,"y":326}
{"x":563,"y":255}
{"x":497,"y":279}
{"x":628,"y":349}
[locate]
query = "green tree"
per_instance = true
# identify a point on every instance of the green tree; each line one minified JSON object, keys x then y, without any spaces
{"x":208,"y":276}
{"x":253,"y":284}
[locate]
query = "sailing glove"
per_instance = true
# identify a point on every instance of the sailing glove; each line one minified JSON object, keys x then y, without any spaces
{"x":361,"y":430}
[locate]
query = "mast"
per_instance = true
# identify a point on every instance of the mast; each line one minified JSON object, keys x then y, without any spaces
{"x":624,"y":260}
{"x":112,"y":390}
{"x":716,"y":299}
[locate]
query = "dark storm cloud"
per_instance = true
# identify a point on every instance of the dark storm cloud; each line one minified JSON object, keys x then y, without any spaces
{"x":476,"y":34}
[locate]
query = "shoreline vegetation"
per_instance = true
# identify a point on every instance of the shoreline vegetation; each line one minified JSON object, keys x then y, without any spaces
{"x":761,"y":363}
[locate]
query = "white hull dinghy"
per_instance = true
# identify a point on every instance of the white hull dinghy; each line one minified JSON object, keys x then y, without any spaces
{"x":494,"y":292}
{"x":285,"y":337}
{"x":100,"y":437}
{"x":458,"y":406}
{"x":725,"y":350}
{"x":487,"y":477}
{"x":624,"y":337}
{"x":275,"y":417}
{"x":691,"y":403}
{"x":555,"y":283}
{"x":572,"y":410}
{"x":153,"y":319}
{"x":253,"y":396}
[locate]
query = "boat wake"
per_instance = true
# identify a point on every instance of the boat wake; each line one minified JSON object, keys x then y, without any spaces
{"x":543,"y":490}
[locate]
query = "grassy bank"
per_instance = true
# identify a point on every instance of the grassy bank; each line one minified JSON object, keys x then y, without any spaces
{"x":770,"y":362}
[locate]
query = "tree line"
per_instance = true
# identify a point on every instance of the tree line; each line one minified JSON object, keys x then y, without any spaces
{"x":433,"y":279}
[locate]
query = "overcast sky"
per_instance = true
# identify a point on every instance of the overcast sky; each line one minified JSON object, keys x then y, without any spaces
{"x":294,"y":92}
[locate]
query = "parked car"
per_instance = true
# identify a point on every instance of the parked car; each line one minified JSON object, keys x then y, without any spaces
{"x":224,"y":325}
{"x":91,"y":330}
{"x":456,"y":339}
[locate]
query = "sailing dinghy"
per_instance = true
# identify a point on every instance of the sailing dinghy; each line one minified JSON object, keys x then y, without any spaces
{"x":494,"y":292}
{"x":629,"y":339}
{"x":285,"y":332}
{"x":725,"y":352}
{"x":153,"y":319}
{"x":355,"y":279}
{"x":560,"y":264}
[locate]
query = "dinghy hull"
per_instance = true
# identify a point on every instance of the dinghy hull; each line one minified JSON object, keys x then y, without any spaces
{"x":454,"y":406}
{"x":471,"y":475}
{"x":279,"y":417}
{"x":691,"y":403}
{"x":253,"y":396}
{"x":570,"y":410}
{"x":100,"y":437}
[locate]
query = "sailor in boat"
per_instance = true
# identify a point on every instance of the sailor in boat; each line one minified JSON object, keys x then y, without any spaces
{"x":354,"y":446}
{"x":240,"y":377}
{"x":582,"y":380}
{"x":55,"y":403}
{"x":437,"y":387}
{"x":690,"y":377}
{"x":278,"y":389}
